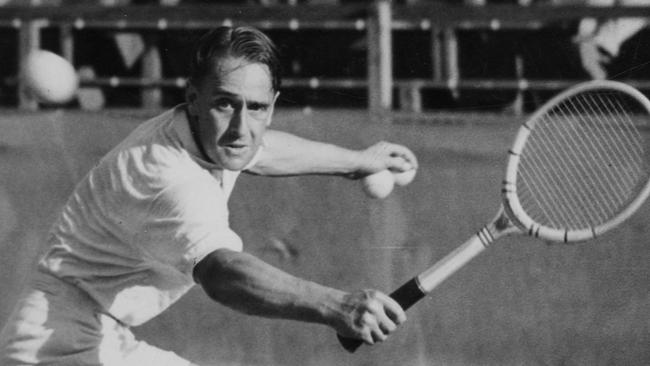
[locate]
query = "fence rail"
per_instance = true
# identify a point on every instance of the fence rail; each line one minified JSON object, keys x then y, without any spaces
{"x":378,"y":20}
{"x":321,"y":16}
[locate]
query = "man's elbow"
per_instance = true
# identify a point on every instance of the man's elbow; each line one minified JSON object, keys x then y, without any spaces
{"x":218,"y":276}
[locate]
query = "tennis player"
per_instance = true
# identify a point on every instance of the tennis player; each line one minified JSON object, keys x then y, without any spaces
{"x":151,"y":220}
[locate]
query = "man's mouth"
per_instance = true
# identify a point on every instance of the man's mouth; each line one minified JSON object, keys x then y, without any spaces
{"x":234,"y":146}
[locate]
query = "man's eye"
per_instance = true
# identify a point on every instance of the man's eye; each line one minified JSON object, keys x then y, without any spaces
{"x":223,"y":104}
{"x":258,"y":107}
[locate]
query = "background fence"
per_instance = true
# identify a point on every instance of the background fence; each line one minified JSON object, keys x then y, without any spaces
{"x":400,"y":52}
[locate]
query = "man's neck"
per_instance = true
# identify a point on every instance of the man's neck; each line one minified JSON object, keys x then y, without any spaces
{"x":193,"y":122}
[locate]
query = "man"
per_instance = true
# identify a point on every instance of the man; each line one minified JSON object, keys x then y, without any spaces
{"x":151,"y":219}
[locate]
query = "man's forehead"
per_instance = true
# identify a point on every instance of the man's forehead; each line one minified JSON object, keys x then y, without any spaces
{"x":238,"y":75}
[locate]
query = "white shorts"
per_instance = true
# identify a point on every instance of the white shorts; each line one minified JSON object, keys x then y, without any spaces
{"x":55,"y":323}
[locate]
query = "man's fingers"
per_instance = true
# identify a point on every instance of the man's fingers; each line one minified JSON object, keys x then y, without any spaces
{"x":376,"y":330}
{"x":379,"y":311}
{"x":375,"y":316}
{"x":388,"y":315}
{"x":399,"y":164}
{"x":393,"y":310}
{"x":403,"y":158}
{"x":386,"y":325}
{"x":386,"y":155}
{"x":371,"y":332}
{"x":378,"y":335}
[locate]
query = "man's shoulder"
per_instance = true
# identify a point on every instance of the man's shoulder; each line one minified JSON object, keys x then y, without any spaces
{"x":157,"y":127}
{"x":152,"y":152}
{"x":156,"y":134}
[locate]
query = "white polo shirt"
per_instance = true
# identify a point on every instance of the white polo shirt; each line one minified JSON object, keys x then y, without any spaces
{"x":135,"y":226}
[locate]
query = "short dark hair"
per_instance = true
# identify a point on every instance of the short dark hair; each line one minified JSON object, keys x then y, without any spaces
{"x":246,"y":42}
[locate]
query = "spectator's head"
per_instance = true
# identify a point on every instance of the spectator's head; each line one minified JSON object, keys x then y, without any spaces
{"x":246,"y":43}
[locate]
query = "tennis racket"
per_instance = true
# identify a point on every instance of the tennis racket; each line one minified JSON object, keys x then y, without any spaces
{"x":578,"y":167}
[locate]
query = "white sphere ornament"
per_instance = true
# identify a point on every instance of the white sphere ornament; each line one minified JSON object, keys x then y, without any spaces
{"x":404,"y":178}
{"x":49,"y":77}
{"x":378,"y":185}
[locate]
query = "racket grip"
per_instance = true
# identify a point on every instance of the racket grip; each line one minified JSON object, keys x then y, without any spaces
{"x":406,"y":296}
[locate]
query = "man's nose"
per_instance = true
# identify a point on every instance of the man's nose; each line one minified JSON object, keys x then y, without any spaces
{"x":239,"y":121}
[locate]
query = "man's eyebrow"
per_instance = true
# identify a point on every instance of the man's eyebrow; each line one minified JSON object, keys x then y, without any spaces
{"x":259,"y":103}
{"x":218,"y":92}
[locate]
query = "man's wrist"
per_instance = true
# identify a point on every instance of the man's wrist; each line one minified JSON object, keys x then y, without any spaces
{"x":331,"y":308}
{"x":356,"y":164}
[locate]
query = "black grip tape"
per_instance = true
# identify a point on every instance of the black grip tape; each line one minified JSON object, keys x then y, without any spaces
{"x":407,"y":295}
{"x":350,"y":344}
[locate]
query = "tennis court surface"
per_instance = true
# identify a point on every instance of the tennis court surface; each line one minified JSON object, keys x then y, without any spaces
{"x":522,"y":302}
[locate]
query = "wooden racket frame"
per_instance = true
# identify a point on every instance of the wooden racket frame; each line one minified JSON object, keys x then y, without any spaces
{"x":511,"y":201}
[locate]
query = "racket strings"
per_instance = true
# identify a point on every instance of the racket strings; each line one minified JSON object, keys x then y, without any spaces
{"x":624,"y":139}
{"x":587,"y":149}
{"x":631,"y":134}
{"x":568,"y":168}
{"x":540,"y":184}
{"x":583,"y":162}
{"x":543,"y":184}
{"x":589,"y":143}
{"x":619,"y":157}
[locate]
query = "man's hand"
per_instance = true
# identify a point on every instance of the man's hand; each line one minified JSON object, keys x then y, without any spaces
{"x":368,"y":315}
{"x":385,"y":155}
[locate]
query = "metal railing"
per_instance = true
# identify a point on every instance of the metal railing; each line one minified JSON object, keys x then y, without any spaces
{"x":378,"y":20}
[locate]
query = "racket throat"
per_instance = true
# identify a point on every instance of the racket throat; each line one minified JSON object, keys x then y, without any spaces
{"x":485,"y":236}
{"x":499,"y":226}
{"x":502,"y":223}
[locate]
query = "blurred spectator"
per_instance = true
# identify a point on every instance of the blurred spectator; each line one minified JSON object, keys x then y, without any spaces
{"x":600,"y":42}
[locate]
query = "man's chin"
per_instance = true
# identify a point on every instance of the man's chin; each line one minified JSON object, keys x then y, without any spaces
{"x":234,"y":159}
{"x":235,"y":164}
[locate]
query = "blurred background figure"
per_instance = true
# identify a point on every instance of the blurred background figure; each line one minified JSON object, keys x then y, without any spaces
{"x":600,"y":41}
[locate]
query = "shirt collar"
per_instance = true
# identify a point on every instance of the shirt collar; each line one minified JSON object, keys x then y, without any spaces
{"x":181,"y":126}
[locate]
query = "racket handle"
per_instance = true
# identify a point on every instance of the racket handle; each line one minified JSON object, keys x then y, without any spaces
{"x":349,"y":344}
{"x":417,"y":288}
{"x":406,"y":295}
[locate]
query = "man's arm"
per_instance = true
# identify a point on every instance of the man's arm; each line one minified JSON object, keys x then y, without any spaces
{"x":247,"y":284}
{"x":287,"y":154}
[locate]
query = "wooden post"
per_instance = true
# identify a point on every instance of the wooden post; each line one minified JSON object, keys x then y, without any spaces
{"x":436,"y":54}
{"x":452,"y":71}
{"x":518,"y":104}
{"x":151,"y":70}
{"x":29,"y":39}
{"x":380,"y":63}
{"x":410,"y":97}
{"x":66,"y":40}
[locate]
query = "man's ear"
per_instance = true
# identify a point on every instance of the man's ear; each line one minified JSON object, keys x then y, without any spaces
{"x":270,"y":118}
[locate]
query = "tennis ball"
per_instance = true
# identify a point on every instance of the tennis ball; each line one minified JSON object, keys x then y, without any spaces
{"x":378,"y":185}
{"x":49,"y":77}
{"x":404,"y":178}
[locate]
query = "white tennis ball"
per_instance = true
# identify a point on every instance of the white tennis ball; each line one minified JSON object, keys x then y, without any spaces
{"x":49,"y":77}
{"x":379,"y":185}
{"x":404,"y":178}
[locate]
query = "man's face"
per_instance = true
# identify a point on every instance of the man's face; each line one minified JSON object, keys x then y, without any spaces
{"x":233,"y":106}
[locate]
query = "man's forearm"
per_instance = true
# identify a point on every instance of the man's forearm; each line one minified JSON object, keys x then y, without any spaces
{"x":286,"y":154}
{"x":247,"y":284}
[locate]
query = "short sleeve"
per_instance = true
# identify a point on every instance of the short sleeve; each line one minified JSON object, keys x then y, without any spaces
{"x":186,"y":222}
